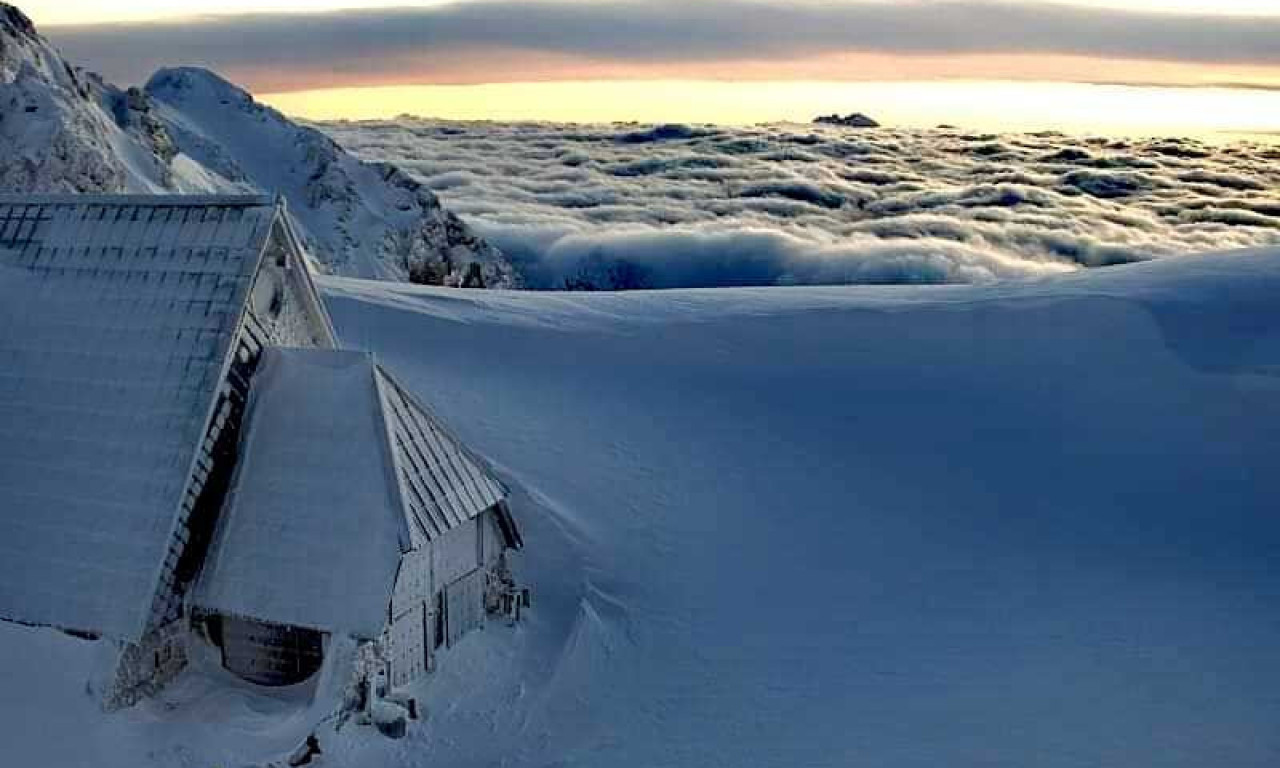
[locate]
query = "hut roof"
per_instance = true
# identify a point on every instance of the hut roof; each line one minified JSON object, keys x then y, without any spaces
{"x":116,"y":318}
{"x":441,"y":483}
{"x":330,"y":490}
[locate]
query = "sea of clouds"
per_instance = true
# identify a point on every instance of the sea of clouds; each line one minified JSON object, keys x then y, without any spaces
{"x":627,"y":206}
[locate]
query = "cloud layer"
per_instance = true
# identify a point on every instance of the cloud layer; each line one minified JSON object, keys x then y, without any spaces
{"x":680,"y":206}
{"x":269,"y":51}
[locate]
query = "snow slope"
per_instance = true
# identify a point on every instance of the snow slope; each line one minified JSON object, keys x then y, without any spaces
{"x":65,"y":130}
{"x":364,"y":219}
{"x":1027,"y":523}
{"x":1024,"y":524}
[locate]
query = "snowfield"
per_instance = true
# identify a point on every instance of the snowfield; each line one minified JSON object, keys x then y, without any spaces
{"x":1023,"y":523}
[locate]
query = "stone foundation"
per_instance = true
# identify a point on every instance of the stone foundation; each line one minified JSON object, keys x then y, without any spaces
{"x":145,"y":668}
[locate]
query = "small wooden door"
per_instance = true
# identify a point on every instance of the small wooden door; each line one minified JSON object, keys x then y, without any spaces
{"x":464,"y":610}
{"x":408,"y":647}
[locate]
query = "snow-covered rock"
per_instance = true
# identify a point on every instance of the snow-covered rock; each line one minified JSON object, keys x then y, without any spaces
{"x":391,"y":719}
{"x":66,"y":130}
{"x":369,"y":219}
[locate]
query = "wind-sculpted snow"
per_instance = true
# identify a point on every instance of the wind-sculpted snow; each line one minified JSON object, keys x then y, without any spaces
{"x":623,"y":206}
{"x":1029,"y":523}
{"x":1026,"y":523}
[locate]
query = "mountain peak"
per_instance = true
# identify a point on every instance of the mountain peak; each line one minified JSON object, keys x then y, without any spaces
{"x":15,"y":23}
{"x":192,"y":131}
{"x":174,"y":80}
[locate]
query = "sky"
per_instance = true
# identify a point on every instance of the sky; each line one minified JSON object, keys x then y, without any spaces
{"x":320,"y":58}
{"x":49,"y":12}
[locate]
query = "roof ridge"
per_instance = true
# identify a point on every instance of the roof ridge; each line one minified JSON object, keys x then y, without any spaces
{"x":242,"y":200}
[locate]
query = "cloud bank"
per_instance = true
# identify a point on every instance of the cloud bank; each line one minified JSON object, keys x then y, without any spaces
{"x":279,"y":52}
{"x":626,"y":206}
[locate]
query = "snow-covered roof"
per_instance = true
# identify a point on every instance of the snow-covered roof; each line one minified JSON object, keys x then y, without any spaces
{"x":441,"y":482}
{"x":312,"y":530}
{"x":116,"y":315}
{"x":317,"y":516}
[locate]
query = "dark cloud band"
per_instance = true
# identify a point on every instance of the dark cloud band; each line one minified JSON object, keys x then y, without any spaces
{"x":380,"y":42}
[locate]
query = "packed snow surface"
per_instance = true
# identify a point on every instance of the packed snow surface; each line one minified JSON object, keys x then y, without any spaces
{"x":1027,"y":523}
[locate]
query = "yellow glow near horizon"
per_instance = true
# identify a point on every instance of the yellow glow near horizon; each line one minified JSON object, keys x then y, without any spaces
{"x":62,"y":12}
{"x":1211,"y":113}
{"x":984,"y":91}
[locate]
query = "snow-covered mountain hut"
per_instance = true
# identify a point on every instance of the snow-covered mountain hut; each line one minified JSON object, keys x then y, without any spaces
{"x":186,"y":456}
{"x":345,"y":482}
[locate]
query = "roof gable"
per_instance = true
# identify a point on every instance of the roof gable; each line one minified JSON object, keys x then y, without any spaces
{"x":116,"y":317}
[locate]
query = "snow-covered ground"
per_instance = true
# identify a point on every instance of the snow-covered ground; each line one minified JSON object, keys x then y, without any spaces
{"x":1025,"y":523}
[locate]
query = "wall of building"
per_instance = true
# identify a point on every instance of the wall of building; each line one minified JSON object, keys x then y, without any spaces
{"x":415,"y":581}
{"x":442,"y":592}
{"x":493,"y":544}
{"x":410,"y":643}
{"x":279,"y":303}
{"x":457,"y":552}
{"x":464,"y":605}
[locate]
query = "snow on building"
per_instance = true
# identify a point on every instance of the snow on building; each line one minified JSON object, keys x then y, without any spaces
{"x":186,"y":455}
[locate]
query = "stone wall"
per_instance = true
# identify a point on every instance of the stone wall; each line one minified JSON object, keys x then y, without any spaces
{"x":145,"y":668}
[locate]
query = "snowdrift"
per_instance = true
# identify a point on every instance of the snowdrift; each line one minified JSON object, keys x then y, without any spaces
{"x":1029,"y":523}
{"x":1024,"y":524}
